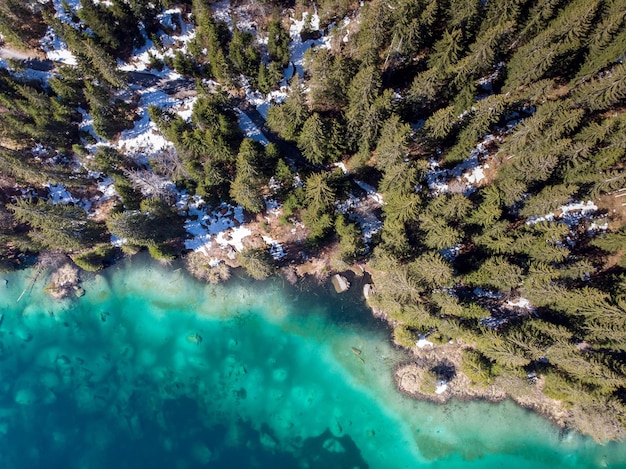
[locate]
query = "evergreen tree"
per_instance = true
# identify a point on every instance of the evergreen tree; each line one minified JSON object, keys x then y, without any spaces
{"x":392,"y":145}
{"x":243,"y":56}
{"x":313,"y":138}
{"x":245,"y":189}
{"x":56,"y":226}
{"x":288,"y":118}
{"x":21,"y":23}
{"x":257,"y":262}
{"x":278,"y":43}
{"x":155,"y":224}
{"x":319,"y":195}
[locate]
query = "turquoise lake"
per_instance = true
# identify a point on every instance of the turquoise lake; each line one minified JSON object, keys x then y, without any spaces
{"x":154,"y":369}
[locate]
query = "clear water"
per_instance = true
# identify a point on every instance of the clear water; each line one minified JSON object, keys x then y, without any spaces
{"x":153,"y":369}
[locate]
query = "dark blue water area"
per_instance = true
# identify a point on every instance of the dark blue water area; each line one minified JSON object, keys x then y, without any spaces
{"x":80,"y":440}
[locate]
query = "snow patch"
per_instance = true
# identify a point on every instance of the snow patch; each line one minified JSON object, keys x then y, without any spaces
{"x":223,"y":224}
{"x":55,"y":49}
{"x":298,"y":48}
{"x":479,"y":292}
{"x":571,"y":214}
{"x":58,"y":194}
{"x":423,"y":342}
{"x":250,"y":129}
{"x":371,"y":192}
{"x":468,"y":173}
{"x":451,"y":253}
{"x":276,"y":250}
{"x":521,"y":302}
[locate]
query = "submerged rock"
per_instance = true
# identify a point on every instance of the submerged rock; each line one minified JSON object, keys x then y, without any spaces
{"x":25,"y":397}
{"x":340,"y":283}
{"x":334,"y":446}
{"x":194,"y":338}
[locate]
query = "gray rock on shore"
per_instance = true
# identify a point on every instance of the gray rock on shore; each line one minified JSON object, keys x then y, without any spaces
{"x":340,"y":283}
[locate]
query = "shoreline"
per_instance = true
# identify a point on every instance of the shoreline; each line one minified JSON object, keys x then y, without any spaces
{"x":408,"y":375}
{"x":409,"y":378}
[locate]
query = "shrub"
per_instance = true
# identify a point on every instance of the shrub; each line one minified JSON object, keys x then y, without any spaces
{"x":95,"y":259}
{"x":404,"y":336}
{"x":161,"y":252}
{"x":257,"y":262}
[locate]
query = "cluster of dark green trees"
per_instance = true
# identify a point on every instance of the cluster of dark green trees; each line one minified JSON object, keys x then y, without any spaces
{"x":218,"y":53}
{"x":417,"y":80}
{"x":558,"y":66}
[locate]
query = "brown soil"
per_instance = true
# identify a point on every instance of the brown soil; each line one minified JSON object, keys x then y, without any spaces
{"x":615,"y":206}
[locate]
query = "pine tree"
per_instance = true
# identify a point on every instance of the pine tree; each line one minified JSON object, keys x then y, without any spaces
{"x":288,"y":118}
{"x":257,"y":262}
{"x":441,"y":123}
{"x":548,"y":200}
{"x":402,"y":207}
{"x":362,"y":116}
{"x":496,"y":238}
{"x":603,"y":92}
{"x":319,"y":195}
{"x":607,"y":42}
{"x":156,"y":223}
{"x":432,"y":270}
{"x":312,"y":140}
{"x":350,"y":240}
{"x":56,"y":226}
{"x":278,"y":43}
{"x":446,"y":52}
{"x":242,"y":54}
{"x":496,"y":272}
{"x":246,"y":187}
{"x":394,"y":238}
{"x":376,"y":21}
{"x":392,"y":145}
{"x":401,"y":177}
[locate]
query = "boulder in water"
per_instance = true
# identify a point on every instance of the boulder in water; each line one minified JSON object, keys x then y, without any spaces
{"x":340,"y":283}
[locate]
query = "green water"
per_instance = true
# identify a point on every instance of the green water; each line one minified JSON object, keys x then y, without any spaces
{"x":153,"y":369}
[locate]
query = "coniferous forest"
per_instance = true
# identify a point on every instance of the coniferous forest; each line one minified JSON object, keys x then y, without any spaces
{"x":487,"y":137}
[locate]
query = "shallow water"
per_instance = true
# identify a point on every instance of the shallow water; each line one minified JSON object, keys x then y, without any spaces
{"x":153,"y":369}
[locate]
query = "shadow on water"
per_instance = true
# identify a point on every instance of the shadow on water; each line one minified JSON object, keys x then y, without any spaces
{"x":170,"y":433}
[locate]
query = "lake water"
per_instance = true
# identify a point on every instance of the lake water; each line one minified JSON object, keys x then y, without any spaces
{"x":153,"y":369}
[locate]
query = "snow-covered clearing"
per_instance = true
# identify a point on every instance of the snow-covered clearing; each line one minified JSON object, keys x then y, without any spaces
{"x":297,"y":47}
{"x":223,"y":224}
{"x":58,"y":194}
{"x":423,"y":342}
{"x":263,"y":103}
{"x":521,"y":302}
{"x":144,"y":138}
{"x":55,"y":49}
